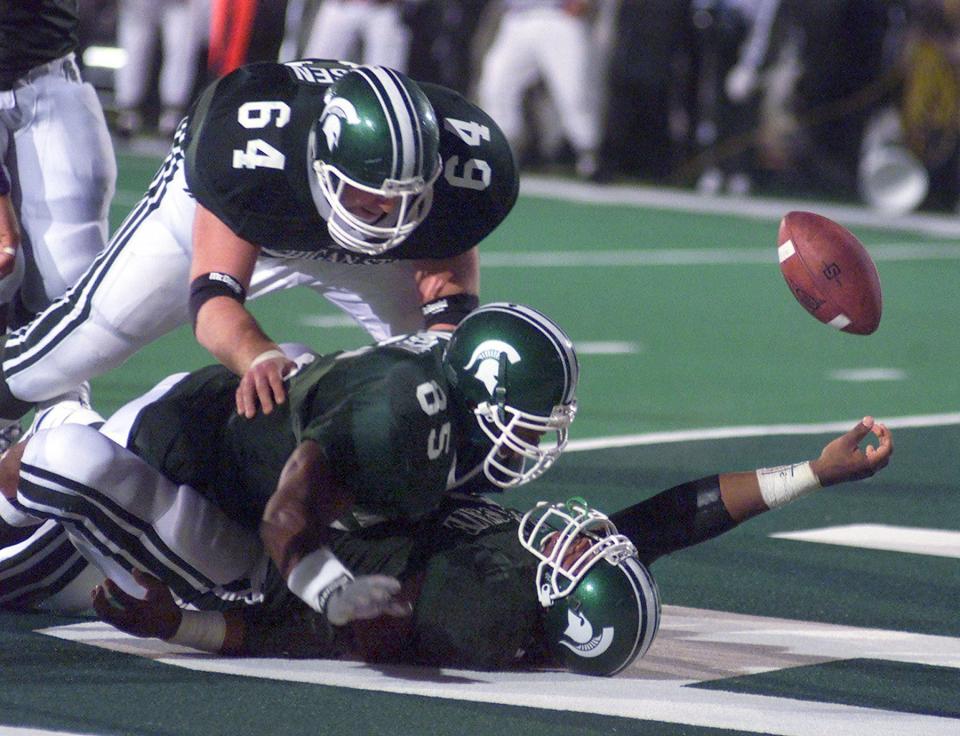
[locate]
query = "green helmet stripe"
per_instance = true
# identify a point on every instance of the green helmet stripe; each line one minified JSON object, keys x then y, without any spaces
{"x":399,"y":112}
{"x":561,"y":342}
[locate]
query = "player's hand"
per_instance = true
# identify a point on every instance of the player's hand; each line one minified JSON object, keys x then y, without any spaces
{"x":8,"y":260}
{"x":843,"y":460}
{"x":156,"y":615}
{"x":263,"y":384}
{"x":366,"y":597}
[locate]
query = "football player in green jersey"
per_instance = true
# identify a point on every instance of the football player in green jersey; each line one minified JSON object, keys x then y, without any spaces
{"x":357,"y":182}
{"x":561,"y":586}
{"x":378,"y":433}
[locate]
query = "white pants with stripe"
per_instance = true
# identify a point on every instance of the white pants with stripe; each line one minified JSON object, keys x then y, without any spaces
{"x":121,"y":514}
{"x":55,"y":143}
{"x":549,"y":43}
{"x":343,"y":27}
{"x":137,"y":290}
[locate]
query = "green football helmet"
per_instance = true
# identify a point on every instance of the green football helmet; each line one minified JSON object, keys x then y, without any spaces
{"x":377,"y":133}
{"x":516,"y":371}
{"x":602,"y":605}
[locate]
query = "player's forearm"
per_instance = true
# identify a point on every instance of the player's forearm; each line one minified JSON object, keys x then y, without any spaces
{"x":438,"y":277}
{"x":231,"y":334}
{"x":692,"y":512}
{"x":298,"y":515}
{"x":449,"y":288}
{"x":676,"y":518}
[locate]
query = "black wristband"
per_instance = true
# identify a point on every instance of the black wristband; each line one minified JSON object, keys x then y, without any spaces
{"x":449,"y":310}
{"x":209,"y":285}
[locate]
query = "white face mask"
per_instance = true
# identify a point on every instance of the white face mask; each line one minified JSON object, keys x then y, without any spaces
{"x":514,"y":460}
{"x":353,"y":232}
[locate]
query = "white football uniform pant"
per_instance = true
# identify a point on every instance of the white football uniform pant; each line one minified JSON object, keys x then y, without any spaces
{"x":55,"y":143}
{"x":121,"y":513}
{"x":45,"y":571}
{"x":341,"y":26}
{"x":182,"y":26}
{"x":542,"y":42}
{"x":138,"y":288}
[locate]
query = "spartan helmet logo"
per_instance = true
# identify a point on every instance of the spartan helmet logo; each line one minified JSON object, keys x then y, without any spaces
{"x":582,"y":641}
{"x":486,"y":358}
{"x":335,"y":112}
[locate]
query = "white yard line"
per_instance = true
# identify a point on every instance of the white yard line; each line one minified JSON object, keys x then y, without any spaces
{"x":754,"y":208}
{"x":885,"y":537}
{"x":655,"y":688}
{"x":637,"y":255}
{"x":756,"y":430}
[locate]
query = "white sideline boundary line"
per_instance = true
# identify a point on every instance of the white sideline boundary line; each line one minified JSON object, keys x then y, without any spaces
{"x":754,"y":208}
{"x":757,"y":430}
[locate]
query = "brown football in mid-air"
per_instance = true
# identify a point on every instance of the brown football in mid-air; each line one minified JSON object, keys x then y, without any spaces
{"x":830,"y":272}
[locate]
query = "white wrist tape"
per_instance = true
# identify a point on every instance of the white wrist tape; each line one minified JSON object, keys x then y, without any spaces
{"x":204,"y":630}
{"x":782,"y":484}
{"x":265,"y":356}
{"x":316,"y":576}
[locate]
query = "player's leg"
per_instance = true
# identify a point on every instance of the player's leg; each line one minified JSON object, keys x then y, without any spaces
{"x":137,"y":22}
{"x":134,"y":292}
{"x":181,"y":45}
{"x":382,"y":298}
{"x":39,"y":566}
{"x":122,"y":513}
{"x":45,"y":571}
{"x":65,"y":180}
{"x":386,"y":38}
{"x":572,"y":81}
{"x":509,"y":69}
{"x":334,"y":34}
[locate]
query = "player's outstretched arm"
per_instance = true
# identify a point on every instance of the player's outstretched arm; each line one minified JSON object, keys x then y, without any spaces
{"x":699,"y":510}
{"x":220,"y":274}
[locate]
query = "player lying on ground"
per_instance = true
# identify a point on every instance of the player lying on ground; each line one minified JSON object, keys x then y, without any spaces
{"x":377,"y":433}
{"x":561,"y":586}
{"x":483,"y":597}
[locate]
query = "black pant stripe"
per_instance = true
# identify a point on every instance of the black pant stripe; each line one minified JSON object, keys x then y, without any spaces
{"x":98,"y":518}
{"x":33,"y":341}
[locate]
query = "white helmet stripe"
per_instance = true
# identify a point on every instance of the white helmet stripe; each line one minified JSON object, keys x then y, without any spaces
{"x":648,"y":602}
{"x":417,"y":148}
{"x":397,"y":108}
{"x":561,"y":342}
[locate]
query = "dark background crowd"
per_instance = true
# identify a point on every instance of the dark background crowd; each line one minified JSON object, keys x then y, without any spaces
{"x":842,"y":99}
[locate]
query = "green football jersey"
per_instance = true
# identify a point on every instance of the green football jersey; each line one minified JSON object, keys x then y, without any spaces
{"x":247,"y":162}
{"x":380,"y":414}
{"x":472,"y":583}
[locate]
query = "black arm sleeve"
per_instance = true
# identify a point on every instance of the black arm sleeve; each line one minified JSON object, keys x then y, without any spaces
{"x":679,"y":517}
